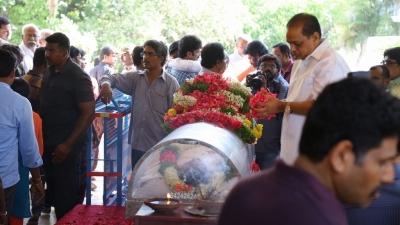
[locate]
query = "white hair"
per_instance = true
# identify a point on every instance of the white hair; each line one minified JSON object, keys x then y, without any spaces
{"x":28,"y":26}
{"x":244,"y":37}
{"x":44,"y":33}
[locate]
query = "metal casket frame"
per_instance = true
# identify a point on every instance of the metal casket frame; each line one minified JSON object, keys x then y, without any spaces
{"x":230,"y":147}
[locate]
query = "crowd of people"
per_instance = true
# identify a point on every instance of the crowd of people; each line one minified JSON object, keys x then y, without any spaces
{"x":332,"y":145}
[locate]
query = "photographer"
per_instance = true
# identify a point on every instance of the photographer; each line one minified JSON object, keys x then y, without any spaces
{"x":268,"y":146}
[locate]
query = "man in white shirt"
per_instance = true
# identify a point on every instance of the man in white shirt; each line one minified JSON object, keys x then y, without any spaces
{"x":317,"y":66}
{"x":30,"y":38}
{"x":239,"y":65}
{"x":187,"y":65}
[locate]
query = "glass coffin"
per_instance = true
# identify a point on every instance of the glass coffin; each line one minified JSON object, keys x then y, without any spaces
{"x":197,"y":160}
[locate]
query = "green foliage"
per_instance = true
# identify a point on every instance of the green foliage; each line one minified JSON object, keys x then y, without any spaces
{"x":245,"y":133}
{"x":200,"y":86}
{"x":118,"y":22}
{"x":228,"y":110}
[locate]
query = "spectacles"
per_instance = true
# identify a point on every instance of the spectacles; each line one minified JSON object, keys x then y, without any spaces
{"x":31,"y":35}
{"x":265,"y":66}
{"x":148,"y":54}
{"x":388,"y":63}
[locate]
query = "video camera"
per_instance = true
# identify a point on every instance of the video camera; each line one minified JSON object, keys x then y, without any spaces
{"x":255,"y":81}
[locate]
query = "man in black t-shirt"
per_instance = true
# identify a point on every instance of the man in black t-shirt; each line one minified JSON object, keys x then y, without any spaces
{"x":67,"y":110}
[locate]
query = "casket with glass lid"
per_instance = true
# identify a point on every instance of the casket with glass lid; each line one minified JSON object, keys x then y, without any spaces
{"x":198,"y":160}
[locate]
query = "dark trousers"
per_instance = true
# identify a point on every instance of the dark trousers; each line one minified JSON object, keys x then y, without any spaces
{"x":266,"y":160}
{"x":63,"y":179}
{"x":135,"y":157}
{"x":82,"y":174}
{"x":9,"y":194}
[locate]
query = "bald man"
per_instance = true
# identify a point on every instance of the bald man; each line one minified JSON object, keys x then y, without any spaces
{"x":30,"y":38}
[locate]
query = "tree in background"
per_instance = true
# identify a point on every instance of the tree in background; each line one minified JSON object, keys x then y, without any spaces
{"x":346,"y":23}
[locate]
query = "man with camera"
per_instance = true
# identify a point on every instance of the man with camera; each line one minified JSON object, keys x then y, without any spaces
{"x":268,"y":76}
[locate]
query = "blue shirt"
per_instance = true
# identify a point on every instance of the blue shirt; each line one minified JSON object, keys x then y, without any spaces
{"x":16,"y":132}
{"x":180,"y":75}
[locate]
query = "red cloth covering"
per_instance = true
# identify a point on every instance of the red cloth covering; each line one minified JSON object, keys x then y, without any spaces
{"x":96,"y":214}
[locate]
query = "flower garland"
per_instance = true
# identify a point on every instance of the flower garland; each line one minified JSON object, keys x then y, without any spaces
{"x":261,"y":96}
{"x":213,"y":99}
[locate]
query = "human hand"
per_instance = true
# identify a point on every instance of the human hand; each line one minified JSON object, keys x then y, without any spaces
{"x":37,"y":192}
{"x":271,"y":107}
{"x":60,"y":153}
{"x":106,"y":93}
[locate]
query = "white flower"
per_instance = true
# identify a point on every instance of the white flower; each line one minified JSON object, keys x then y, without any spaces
{"x":184,"y":100}
{"x":237,"y":85}
{"x":230,"y":97}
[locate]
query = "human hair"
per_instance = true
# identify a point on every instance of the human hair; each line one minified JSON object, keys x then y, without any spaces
{"x":29,"y":25}
{"x":137,"y":59}
{"x":188,"y":43}
{"x":59,"y":38}
{"x":83,"y":53}
{"x":73,"y":52}
{"x":393,"y":53}
{"x":4,"y":21}
{"x":8,"y":62}
{"x":309,"y":24}
{"x":96,"y":60}
{"x":173,"y":47}
{"x":244,"y":37}
{"x":39,"y":58}
{"x":354,"y":109}
{"x":211,"y":53}
{"x":159,"y":47}
{"x":43,"y":33}
{"x":284,"y":48}
{"x":256,"y":47}
{"x":20,"y":86}
{"x":16,"y":50}
{"x":273,"y":57}
{"x":385,"y":71}
{"x":106,"y":50}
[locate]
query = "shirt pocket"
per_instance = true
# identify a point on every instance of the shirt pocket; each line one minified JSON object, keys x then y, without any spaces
{"x":158,"y":102}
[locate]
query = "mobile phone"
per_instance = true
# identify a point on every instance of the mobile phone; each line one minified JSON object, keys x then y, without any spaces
{"x":362,"y":74}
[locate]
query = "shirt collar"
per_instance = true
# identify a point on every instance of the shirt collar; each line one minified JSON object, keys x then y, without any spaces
{"x":317,"y":53}
{"x":63,"y":70}
{"x":34,"y":73}
{"x":4,"y":85}
{"x":144,"y":72}
{"x":205,"y":70}
{"x":396,"y":81}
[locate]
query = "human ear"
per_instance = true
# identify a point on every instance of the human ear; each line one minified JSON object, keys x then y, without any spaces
{"x":341,"y":156}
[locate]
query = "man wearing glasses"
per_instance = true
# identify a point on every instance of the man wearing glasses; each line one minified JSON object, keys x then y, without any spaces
{"x":391,"y":61}
{"x":30,"y":38}
{"x":152,"y":92}
{"x":268,"y":146}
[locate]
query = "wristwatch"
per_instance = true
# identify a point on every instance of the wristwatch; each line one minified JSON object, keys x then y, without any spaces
{"x":287,"y":108}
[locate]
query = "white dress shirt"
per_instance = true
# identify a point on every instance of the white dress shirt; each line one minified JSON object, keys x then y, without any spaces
{"x":27,"y":63}
{"x":309,"y":77}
